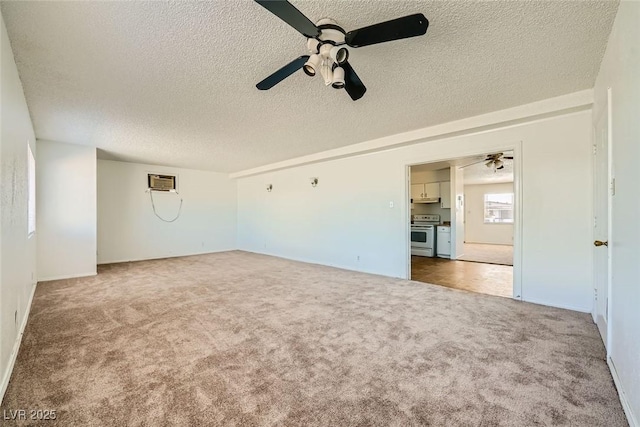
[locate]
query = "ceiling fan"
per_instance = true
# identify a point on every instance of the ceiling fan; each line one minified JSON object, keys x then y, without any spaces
{"x":492,"y":160}
{"x":327,"y":45}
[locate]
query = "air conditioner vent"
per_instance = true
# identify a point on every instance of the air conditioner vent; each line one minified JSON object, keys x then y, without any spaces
{"x":161,"y":182}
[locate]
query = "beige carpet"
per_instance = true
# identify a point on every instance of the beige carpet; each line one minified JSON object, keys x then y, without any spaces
{"x":249,"y":340}
{"x":490,"y":254}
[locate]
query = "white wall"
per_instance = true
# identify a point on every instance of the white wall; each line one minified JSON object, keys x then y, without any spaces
{"x":66,"y":214}
{"x":620,"y":70}
{"x":17,"y":251}
{"x":476,"y":231}
{"x":128,"y":230}
{"x":347,"y":221}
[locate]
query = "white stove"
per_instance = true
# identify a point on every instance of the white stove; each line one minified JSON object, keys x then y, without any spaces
{"x":423,"y":236}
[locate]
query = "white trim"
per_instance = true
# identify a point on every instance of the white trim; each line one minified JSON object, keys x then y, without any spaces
{"x":65,"y":276}
{"x":631,"y":418}
{"x":316,"y":262}
{"x":564,"y":306}
{"x":576,"y":101}
{"x":518,"y":230}
{"x":122,"y":260}
{"x":16,"y":346}
{"x":407,"y":221}
{"x":610,"y":189}
{"x":594,"y":189}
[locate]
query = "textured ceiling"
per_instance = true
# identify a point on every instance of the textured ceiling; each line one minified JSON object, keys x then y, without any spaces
{"x":174,"y":82}
{"x":475,"y":170}
{"x":481,"y":174}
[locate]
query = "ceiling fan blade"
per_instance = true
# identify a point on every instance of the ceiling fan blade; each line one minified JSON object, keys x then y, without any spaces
{"x":508,"y":157}
{"x":292,"y":16}
{"x":352,"y":83}
{"x":396,"y":29}
{"x":282,"y":73}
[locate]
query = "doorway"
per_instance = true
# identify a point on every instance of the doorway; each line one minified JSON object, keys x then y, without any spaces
{"x":474,"y":218}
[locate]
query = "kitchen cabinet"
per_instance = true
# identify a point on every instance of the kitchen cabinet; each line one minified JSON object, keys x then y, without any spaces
{"x":432,"y":190}
{"x":445,"y":195}
{"x":425,"y":193}
{"x":417,"y":192}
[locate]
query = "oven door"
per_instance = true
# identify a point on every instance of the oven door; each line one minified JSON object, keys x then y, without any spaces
{"x":421,"y":237}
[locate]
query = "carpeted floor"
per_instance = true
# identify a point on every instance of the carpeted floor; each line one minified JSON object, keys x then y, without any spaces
{"x":490,"y":254}
{"x":244,"y":339}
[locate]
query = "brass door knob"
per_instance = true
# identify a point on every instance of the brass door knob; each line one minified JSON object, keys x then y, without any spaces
{"x":600,"y":243}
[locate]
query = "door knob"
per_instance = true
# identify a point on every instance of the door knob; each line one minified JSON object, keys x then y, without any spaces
{"x":600,"y":243}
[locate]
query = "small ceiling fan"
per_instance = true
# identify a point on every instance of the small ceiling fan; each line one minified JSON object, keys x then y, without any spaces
{"x":492,"y":160}
{"x":327,"y":45}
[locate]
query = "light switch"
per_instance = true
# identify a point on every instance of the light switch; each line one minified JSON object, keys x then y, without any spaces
{"x":390,"y":204}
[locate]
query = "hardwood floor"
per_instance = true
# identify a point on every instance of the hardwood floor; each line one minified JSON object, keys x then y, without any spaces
{"x":489,"y":279}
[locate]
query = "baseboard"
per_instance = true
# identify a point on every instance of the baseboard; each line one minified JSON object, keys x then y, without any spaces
{"x":566,"y":307}
{"x":315,"y":262}
{"x":66,"y":276}
{"x":121,"y":260}
{"x":16,"y":346}
{"x":633,"y":421}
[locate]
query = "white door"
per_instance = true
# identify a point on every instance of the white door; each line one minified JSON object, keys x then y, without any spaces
{"x":601,"y":222}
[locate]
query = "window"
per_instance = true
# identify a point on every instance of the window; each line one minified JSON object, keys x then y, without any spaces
{"x":31,"y":167}
{"x":498,"y":208}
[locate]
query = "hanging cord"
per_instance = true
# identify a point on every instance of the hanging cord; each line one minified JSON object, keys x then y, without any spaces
{"x":153,"y":205}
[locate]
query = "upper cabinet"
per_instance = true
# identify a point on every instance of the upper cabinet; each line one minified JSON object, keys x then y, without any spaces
{"x":445,"y":195}
{"x":417,"y":192}
{"x":432,"y":190}
{"x":425,"y":193}
{"x":431,"y":186}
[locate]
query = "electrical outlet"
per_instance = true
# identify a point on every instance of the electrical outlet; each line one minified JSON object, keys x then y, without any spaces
{"x":358,"y":258}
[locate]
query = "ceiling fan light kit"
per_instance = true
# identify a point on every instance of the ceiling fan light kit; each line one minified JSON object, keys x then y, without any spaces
{"x":495,"y":161}
{"x":327,"y":44}
{"x":339,"y":55}
{"x":312,"y":65}
{"x":338,"y":78}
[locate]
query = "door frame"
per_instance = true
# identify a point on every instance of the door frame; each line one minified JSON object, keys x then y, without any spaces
{"x":610,"y":194}
{"x":609,"y":225}
{"x":517,"y":148}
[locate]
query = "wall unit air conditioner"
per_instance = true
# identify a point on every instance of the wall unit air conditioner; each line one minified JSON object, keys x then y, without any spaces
{"x":161,"y":182}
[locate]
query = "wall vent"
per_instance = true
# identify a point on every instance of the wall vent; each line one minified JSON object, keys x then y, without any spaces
{"x":161,"y":182}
